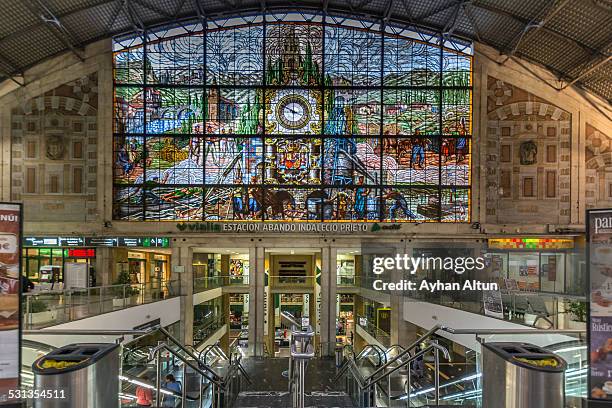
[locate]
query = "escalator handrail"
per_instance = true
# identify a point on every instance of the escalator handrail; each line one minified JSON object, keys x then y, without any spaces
{"x":407,"y":350}
{"x":382,"y":358}
{"x":430,"y":347}
{"x":189,"y":353}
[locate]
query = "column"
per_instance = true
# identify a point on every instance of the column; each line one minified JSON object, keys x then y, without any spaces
{"x":402,"y":331}
{"x":256,"y":300}
{"x":104,"y":266}
{"x":181,"y":261}
{"x":328,"y":300}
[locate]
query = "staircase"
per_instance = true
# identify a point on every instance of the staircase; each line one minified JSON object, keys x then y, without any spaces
{"x":270,"y":386}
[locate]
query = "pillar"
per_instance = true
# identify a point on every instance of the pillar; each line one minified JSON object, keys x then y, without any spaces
{"x":225,"y":264}
{"x":256,"y":300}
{"x":402,"y":331}
{"x":328,"y":300}
{"x":104,"y":266}
{"x":181,"y":261}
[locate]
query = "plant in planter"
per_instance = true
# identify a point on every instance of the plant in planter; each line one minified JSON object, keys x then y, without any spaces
{"x":122,"y":290}
{"x":578,"y":313}
{"x":40,"y":312}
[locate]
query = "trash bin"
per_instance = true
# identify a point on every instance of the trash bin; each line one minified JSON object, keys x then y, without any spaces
{"x":86,"y":374}
{"x":522,"y":375}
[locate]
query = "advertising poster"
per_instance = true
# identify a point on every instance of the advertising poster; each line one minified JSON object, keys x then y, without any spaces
{"x":10,"y":238}
{"x":599,"y":251}
{"x":493,"y":305}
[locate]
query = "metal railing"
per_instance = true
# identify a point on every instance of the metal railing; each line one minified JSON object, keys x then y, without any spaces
{"x":382,"y":336}
{"x":224,"y":380}
{"x":302,"y":351}
{"x":49,"y":308}
{"x":367,"y":385}
{"x":203,"y":283}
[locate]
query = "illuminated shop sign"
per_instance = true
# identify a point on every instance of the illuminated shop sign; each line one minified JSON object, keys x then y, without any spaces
{"x":531,"y":243}
{"x":81,"y":253}
{"x":154,"y":242}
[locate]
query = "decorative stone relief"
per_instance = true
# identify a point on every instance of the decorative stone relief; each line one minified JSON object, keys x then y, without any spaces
{"x":528,"y":143}
{"x":54,"y":152}
{"x":598,"y":168}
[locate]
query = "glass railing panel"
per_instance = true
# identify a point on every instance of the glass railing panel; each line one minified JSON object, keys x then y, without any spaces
{"x":532,"y":309}
{"x":49,"y":308}
{"x":347,"y":280}
{"x":383,"y":337}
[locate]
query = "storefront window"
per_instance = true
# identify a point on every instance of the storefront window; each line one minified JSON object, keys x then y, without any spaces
{"x":525,"y":269}
{"x":552,"y":266}
{"x":345,"y":269}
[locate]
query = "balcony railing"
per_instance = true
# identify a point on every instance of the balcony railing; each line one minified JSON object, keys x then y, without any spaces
{"x":49,"y":308}
{"x":382,"y":336}
{"x":200,"y":284}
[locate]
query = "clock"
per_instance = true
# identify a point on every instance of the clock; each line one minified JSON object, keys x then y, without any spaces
{"x":293,"y":111}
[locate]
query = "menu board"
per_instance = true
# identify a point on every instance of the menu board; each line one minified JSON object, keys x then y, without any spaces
{"x":599,"y":252}
{"x":10,"y":238}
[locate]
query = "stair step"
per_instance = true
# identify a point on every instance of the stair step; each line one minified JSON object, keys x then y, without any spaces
{"x":277,"y":399}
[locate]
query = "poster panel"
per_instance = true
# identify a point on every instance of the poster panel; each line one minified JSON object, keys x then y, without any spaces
{"x":599,"y":253}
{"x":493,"y":304}
{"x":10,"y":291}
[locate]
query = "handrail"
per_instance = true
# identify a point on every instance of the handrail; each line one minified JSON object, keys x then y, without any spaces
{"x":421,"y":339}
{"x":291,"y":318}
{"x":155,"y":354}
{"x":86,"y":332}
{"x":189,"y":353}
{"x":379,"y":350}
{"x":510,"y":331}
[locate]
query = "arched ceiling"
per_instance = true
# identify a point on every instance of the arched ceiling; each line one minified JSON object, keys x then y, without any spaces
{"x":572,"y":38}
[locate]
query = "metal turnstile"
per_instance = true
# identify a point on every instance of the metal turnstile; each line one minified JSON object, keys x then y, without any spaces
{"x":521,"y":375}
{"x":86,"y":374}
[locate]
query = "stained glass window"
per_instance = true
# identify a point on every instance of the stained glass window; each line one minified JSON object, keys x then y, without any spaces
{"x":291,"y":117}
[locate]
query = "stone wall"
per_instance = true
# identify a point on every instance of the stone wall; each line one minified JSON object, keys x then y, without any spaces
{"x":528,"y":154}
{"x":54,"y":141}
{"x":598,"y":168}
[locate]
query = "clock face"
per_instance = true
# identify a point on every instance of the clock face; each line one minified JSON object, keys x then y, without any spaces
{"x":293,"y":112}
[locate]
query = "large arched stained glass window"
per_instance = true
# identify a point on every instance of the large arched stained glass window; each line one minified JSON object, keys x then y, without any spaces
{"x":291,"y":117}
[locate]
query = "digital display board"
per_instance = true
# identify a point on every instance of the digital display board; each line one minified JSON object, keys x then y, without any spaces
{"x":146,"y":242}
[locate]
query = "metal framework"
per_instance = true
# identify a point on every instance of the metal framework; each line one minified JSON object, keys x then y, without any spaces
{"x":508,"y":25}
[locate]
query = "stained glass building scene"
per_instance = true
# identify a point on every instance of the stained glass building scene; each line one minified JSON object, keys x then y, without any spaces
{"x":321,"y":203}
{"x":289,"y":118}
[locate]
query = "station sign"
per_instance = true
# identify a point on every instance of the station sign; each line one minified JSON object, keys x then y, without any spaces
{"x":287,"y":227}
{"x":145,"y":242}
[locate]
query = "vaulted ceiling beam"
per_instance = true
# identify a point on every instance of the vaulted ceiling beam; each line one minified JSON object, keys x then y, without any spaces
{"x":524,"y":22}
{"x":55,"y":26}
{"x":532,"y":27}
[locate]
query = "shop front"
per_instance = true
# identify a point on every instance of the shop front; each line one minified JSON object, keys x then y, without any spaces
{"x":541,"y":264}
